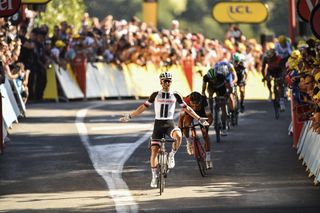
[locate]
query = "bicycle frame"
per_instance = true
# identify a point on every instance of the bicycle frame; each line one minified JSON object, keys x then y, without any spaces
{"x":277,"y":95}
{"x":198,"y":150}
{"x":217,"y":116}
{"x":162,"y":168}
{"x":235,"y":114}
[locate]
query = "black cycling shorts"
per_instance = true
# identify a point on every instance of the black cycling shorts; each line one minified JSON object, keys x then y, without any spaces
{"x":220,"y":91}
{"x":163,"y":128}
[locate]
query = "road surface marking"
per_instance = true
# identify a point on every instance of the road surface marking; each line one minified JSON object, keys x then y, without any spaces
{"x":116,"y":155}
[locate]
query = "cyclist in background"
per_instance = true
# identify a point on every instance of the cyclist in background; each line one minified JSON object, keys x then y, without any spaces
{"x":220,"y":80}
{"x":271,"y":67}
{"x":283,"y":49}
{"x":164,"y":106}
{"x":199,"y":104}
{"x":239,"y":66}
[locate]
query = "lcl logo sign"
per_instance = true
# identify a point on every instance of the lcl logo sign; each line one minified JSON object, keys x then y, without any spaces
{"x":9,"y":7}
{"x":240,"y":12}
{"x":240,"y":9}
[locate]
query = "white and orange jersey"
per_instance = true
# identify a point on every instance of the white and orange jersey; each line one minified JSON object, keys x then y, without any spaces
{"x":164,"y":104}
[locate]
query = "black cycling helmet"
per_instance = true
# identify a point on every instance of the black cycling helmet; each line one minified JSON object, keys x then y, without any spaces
{"x":195,"y":97}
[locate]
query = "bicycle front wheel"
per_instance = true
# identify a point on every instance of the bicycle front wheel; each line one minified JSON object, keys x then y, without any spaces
{"x":276,"y":106}
{"x":161,"y":172}
{"x":199,"y":154}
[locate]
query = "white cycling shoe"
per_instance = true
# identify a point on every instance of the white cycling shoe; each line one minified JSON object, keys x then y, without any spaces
{"x":282,"y":106}
{"x":209,"y":164}
{"x":171,"y":162}
{"x":154,"y":182}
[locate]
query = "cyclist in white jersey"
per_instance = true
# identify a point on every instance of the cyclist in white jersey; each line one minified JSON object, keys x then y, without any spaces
{"x":164,"y":107}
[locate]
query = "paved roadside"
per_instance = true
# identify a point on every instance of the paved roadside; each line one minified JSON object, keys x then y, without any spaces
{"x":45,"y":167}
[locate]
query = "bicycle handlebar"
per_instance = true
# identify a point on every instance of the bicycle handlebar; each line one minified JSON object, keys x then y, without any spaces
{"x":164,"y":140}
{"x":193,"y":125}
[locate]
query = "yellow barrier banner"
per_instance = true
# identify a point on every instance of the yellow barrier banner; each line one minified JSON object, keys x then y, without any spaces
{"x":51,"y":90}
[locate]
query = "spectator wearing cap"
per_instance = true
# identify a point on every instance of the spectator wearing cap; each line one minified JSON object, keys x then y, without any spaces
{"x":56,"y":51}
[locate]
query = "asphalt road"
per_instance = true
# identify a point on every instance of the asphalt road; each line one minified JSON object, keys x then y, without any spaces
{"x":77,"y":157}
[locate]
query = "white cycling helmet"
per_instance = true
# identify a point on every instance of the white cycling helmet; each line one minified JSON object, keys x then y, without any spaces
{"x":222,"y":70}
{"x":165,"y":75}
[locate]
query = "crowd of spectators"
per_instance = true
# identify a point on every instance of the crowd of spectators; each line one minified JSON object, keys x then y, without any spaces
{"x":303,"y":69}
{"x":27,"y":51}
{"x":119,"y":42}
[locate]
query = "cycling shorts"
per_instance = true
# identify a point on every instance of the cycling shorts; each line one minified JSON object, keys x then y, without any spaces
{"x":274,"y":73}
{"x":220,"y":91}
{"x":161,"y":129}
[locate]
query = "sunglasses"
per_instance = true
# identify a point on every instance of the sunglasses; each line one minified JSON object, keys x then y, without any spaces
{"x":166,"y":81}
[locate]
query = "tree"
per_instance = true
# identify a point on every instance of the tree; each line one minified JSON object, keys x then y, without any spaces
{"x":60,"y":10}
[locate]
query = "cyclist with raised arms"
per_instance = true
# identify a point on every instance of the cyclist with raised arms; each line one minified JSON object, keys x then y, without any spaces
{"x":199,"y":104}
{"x":271,"y":67}
{"x":220,"y":80}
{"x":164,"y":107}
{"x":239,"y":66}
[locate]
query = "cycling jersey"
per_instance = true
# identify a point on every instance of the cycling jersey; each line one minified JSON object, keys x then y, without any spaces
{"x":274,"y":66}
{"x":201,"y":110}
{"x":164,"y":104}
{"x":241,"y":71}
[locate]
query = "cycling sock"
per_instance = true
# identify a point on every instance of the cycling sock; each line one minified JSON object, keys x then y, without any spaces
{"x":173,"y":151}
{"x":154,"y":171}
{"x":208,"y":157}
{"x":187,"y":140}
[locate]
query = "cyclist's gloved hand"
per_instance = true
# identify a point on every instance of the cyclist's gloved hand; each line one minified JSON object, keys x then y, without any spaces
{"x":125,"y":118}
{"x":203,"y":121}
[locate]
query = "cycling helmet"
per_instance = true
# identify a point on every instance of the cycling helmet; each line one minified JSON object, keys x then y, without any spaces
{"x":282,"y":39}
{"x":195,"y":97}
{"x":165,"y":75}
{"x":270,"y":53}
{"x":221,"y":70}
{"x":211,"y":73}
{"x":236,"y":57}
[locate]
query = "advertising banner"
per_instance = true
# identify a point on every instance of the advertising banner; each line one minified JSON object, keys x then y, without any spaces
{"x":240,"y":12}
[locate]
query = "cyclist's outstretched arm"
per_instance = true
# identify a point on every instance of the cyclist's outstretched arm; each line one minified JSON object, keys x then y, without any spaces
{"x":191,"y":112}
{"x":204,"y":87}
{"x":127,"y":116}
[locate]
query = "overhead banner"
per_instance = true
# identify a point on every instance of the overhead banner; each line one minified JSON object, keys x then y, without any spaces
{"x":9,"y":7}
{"x":150,"y":12}
{"x":35,"y":1}
{"x":240,"y":12}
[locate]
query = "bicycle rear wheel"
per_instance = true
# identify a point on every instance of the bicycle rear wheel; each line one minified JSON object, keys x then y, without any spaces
{"x":199,"y":155}
{"x":217,"y":128}
{"x":276,"y":106}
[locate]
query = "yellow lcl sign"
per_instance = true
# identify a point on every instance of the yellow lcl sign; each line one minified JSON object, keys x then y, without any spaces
{"x":240,"y":12}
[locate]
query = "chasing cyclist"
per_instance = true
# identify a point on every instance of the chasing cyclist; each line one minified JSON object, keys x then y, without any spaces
{"x":164,"y":107}
{"x":239,"y":66}
{"x":220,"y":80}
{"x":271,"y":67}
{"x":199,"y":104}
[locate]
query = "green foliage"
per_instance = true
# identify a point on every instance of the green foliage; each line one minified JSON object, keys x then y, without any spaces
{"x":119,"y":9}
{"x":61,"y":10}
{"x":194,"y":15}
